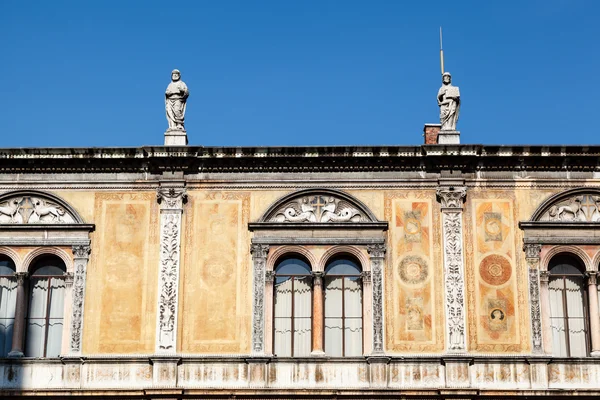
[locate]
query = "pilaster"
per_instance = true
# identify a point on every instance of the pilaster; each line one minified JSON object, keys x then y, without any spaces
{"x":532,"y":256}
{"x":259,"y":259}
{"x":171,"y":196}
{"x":81,"y":256}
{"x":377,"y":255}
{"x":451,"y":199}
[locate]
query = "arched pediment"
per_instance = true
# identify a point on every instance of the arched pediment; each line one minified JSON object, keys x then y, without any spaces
{"x":318,"y":206}
{"x":575,"y":205}
{"x":29,"y":207}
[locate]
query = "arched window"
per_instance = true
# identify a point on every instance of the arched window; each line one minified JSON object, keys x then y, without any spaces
{"x":46,"y":307}
{"x":343,"y":308}
{"x":8,"y":300}
{"x":293,"y":308}
{"x":568,"y":307}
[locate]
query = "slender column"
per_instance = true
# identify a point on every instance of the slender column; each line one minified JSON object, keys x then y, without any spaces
{"x":545,"y":303}
{"x":594,"y":317}
{"x":259,"y":258}
{"x":317,"y":320}
{"x":452,"y":202}
{"x":532,"y":256}
{"x":18,"y":347}
{"x":377,"y":254}
{"x":269,"y":280}
{"x":171,"y":201}
{"x":81,"y":255}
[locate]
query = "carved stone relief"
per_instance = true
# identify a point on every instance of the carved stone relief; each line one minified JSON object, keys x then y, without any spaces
{"x":532,"y":255}
{"x":318,"y":208}
{"x":377,"y":254}
{"x":33,"y":210}
{"x":259,"y":258}
{"x":579,"y":208}
{"x":81,"y":256}
{"x":171,"y":200}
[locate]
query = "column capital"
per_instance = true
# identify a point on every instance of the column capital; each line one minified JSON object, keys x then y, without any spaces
{"x":259,"y":250}
{"x":68,"y":278}
{"x":317,"y":277}
{"x":269,"y":276}
{"x":376,"y":250}
{"x":21,"y":277}
{"x":544,"y":277}
{"x":171,"y":197}
{"x":532,"y":250}
{"x":451,"y":196}
{"x":592,"y":277}
{"x":365,"y":276}
{"x":81,"y":251}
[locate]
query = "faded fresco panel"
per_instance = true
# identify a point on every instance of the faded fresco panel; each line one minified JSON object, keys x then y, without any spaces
{"x":413,"y":276}
{"x":496,"y":281}
{"x":216,"y":306}
{"x":120,"y":308}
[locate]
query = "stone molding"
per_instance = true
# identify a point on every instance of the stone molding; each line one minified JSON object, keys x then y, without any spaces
{"x":451,"y":199}
{"x":171,"y":200}
{"x":81,"y":256}
{"x":259,"y":258}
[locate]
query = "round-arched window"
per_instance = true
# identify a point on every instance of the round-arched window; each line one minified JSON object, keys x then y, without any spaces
{"x":292,"y":317}
{"x":45,"y":315}
{"x":343,"y":308}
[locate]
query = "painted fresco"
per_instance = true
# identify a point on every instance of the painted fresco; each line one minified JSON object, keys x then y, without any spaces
{"x":215,"y":303}
{"x":120,"y":310}
{"x":496,"y":281}
{"x":413,"y":276}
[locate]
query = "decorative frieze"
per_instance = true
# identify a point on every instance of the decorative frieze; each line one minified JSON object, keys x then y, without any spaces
{"x":377,"y":254}
{"x":171,"y":200}
{"x":451,"y":199}
{"x":532,"y":256}
{"x":259,"y":258}
{"x":81,"y":255}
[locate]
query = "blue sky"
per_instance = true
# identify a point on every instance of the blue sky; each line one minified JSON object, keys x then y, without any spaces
{"x":283,"y":72}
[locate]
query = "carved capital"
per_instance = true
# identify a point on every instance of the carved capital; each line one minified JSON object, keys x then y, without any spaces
{"x":269,"y":276}
{"x":452,"y":197}
{"x":259,"y":250}
{"x":68,"y":278}
{"x":376,"y":250}
{"x":532,"y":250}
{"x":21,"y":277}
{"x":81,"y":251}
{"x":544,"y":277}
{"x":317,"y":277}
{"x":171,"y":198}
{"x":592,"y":278}
{"x":365,"y":276}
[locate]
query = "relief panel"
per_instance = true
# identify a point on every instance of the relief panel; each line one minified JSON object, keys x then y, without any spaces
{"x":121,"y":303}
{"x":216,"y":303}
{"x":497,"y":305}
{"x":413,"y":302}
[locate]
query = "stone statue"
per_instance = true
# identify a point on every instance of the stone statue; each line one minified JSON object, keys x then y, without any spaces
{"x":449,"y":102}
{"x":175,"y":99}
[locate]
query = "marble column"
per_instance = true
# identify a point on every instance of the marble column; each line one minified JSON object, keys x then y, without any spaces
{"x":532,"y":256}
{"x":451,"y":198}
{"x":377,"y":255}
{"x":317,"y":318}
{"x":594,"y":317}
{"x":18,"y":345}
{"x":259,"y":259}
{"x":171,"y":200}
{"x":545,"y":304}
{"x":81,"y":255}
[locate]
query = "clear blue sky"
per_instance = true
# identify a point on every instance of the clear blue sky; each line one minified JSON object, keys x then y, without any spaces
{"x":283,"y":72}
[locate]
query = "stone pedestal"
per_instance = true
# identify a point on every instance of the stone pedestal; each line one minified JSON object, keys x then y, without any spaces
{"x":448,"y":137}
{"x":176,"y":137}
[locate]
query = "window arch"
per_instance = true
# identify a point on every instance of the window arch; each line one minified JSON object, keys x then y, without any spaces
{"x":292,"y":311}
{"x":45,"y":315}
{"x":343,"y":317}
{"x":8,"y":302}
{"x":568,"y":306}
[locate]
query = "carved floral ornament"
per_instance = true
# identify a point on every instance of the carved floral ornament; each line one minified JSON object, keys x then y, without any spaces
{"x":32,"y":207}
{"x":318,"y":206}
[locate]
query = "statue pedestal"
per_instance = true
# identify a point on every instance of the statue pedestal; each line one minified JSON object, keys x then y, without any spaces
{"x":448,"y":137}
{"x":176,"y":137}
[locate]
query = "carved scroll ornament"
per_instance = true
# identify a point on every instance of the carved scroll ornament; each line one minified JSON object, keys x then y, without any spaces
{"x":318,"y":208}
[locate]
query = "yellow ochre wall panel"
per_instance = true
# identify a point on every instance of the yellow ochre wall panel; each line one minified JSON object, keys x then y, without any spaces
{"x":120,"y":306}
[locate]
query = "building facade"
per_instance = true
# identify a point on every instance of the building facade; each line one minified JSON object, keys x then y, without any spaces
{"x":433,"y":271}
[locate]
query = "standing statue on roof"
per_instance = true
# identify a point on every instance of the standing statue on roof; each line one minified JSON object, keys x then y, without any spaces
{"x":175,"y":99}
{"x":449,"y":101}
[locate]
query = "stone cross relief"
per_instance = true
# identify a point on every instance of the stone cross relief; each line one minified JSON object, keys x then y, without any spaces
{"x":581,"y":208}
{"x":318,"y":208}
{"x":33,"y":210}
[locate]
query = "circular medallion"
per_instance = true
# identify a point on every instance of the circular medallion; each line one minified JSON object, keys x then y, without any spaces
{"x":412,"y":226}
{"x":495,"y":270}
{"x":413,"y":270}
{"x":493,"y":226}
